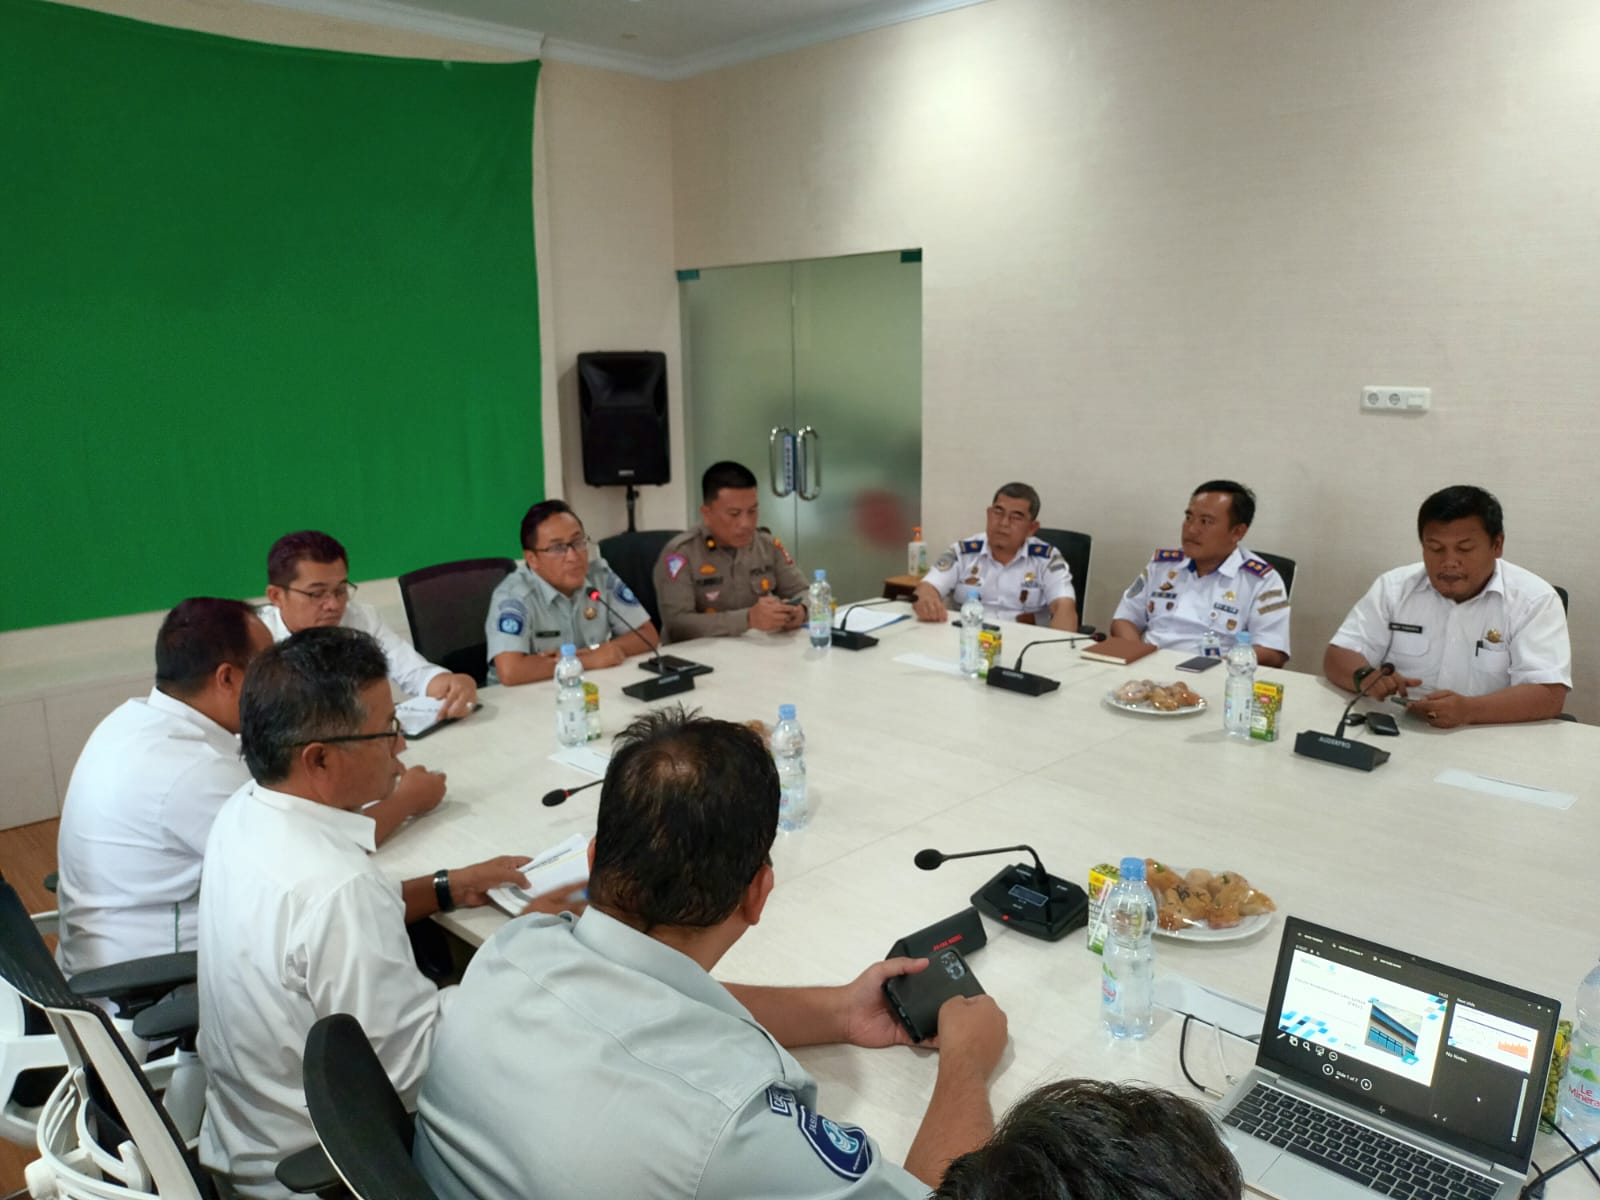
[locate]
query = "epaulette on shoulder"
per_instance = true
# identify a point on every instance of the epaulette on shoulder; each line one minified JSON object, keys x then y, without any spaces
{"x":972,"y":546}
{"x":1039,"y":549}
{"x":1256,"y":567}
{"x":1170,"y":556}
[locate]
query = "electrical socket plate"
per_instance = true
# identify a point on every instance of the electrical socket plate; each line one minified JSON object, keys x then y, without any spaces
{"x":1377,"y":397}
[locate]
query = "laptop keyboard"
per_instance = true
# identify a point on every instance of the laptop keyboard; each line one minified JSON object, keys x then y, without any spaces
{"x":1385,"y":1165}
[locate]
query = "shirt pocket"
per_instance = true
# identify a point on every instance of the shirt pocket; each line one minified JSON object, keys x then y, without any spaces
{"x":1491,"y":668}
{"x":1409,"y":653}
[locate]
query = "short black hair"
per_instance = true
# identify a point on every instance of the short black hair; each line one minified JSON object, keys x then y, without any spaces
{"x":289,"y":551}
{"x":725,"y":476}
{"x":1080,"y":1139}
{"x":302,"y":689}
{"x":1461,"y":501}
{"x":1242,"y":508}
{"x":538,"y":515}
{"x":688,"y":812}
{"x":197,"y":637}
{"x":1020,"y":491}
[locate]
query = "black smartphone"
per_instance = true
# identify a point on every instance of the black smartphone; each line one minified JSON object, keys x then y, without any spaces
{"x":916,"y":999}
{"x":1199,"y":663}
{"x":1382,"y":724}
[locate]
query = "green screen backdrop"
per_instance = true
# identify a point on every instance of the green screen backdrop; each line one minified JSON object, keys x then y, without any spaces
{"x":247,"y":289}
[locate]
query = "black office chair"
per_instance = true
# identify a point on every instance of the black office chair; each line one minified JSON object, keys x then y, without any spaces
{"x":365,"y":1130}
{"x":633,"y":557}
{"x":1075,"y":548}
{"x":446,"y":607}
{"x":1284,"y":566}
{"x":1562,"y":592}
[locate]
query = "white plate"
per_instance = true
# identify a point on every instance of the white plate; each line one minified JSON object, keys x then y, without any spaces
{"x":1247,"y":927}
{"x":1147,"y":710}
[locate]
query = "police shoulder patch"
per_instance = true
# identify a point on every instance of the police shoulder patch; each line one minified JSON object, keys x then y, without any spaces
{"x":624,"y":593}
{"x":843,"y":1148}
{"x":675,"y":564}
{"x":972,"y":546}
{"x":1170,"y":556}
{"x":1256,"y":567}
{"x":946,"y":561}
{"x":512,"y":618}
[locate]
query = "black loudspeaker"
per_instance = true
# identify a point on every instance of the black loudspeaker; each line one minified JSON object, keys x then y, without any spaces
{"x":622,"y":409}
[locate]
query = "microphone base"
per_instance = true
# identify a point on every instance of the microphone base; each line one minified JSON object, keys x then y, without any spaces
{"x":660,"y":687}
{"x":671,"y":664}
{"x":847,"y":639}
{"x":1025,"y":683}
{"x":1340,"y":751}
{"x":1012,"y":898}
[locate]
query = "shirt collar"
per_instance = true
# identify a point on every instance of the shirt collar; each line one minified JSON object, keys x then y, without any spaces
{"x":354,"y":827}
{"x":1228,"y":568}
{"x":629,"y":948}
{"x":174,"y":707}
{"x":1497,"y":583}
{"x":547,"y":593}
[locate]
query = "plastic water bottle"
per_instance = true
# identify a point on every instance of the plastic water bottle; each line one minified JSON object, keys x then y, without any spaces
{"x":789,"y":752}
{"x":1238,"y":701}
{"x":916,"y":553}
{"x":1127,"y":960}
{"x":971,"y":631}
{"x":572,"y":716}
{"x":820,"y":605}
{"x":1210,"y":644}
{"x":1578,"y":1108}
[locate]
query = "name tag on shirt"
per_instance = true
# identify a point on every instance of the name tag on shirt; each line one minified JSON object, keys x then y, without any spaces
{"x":1397,"y":627}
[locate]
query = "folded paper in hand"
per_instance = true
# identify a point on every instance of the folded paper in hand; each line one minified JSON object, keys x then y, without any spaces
{"x":565,"y":864}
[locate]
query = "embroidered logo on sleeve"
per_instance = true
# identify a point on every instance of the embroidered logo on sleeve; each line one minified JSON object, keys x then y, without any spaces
{"x":624,"y":594}
{"x":675,"y":564}
{"x":946,"y":561}
{"x":780,"y":1100}
{"x":512,"y":620}
{"x":844,"y":1148}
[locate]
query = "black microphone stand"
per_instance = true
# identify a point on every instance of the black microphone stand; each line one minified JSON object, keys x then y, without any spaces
{"x":1015,"y":679}
{"x":847,"y":639}
{"x":1336,"y":748}
{"x":1026,"y":897}
{"x":666,"y":683}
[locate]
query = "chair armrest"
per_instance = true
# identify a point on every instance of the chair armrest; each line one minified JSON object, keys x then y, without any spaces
{"x":309,"y":1170}
{"x":176,"y":1016}
{"x":138,"y":982}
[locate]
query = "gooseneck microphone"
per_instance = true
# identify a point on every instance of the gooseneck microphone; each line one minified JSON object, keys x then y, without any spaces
{"x":1335,"y":747}
{"x":667,"y":682}
{"x":847,"y":639}
{"x":559,"y":795}
{"x":1073,"y":640}
{"x":1029,"y":899}
{"x":1015,"y":679}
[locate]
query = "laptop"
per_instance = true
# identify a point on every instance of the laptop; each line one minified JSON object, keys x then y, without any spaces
{"x":1382,"y":1073}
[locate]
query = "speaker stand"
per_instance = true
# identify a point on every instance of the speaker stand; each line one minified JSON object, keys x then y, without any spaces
{"x":632,"y":495}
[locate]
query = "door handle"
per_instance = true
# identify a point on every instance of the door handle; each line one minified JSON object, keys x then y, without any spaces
{"x":810,"y":463}
{"x":780,"y":459}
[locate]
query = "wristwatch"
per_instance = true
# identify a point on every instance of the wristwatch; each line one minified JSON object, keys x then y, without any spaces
{"x":441,"y":888}
{"x":1361,"y":675}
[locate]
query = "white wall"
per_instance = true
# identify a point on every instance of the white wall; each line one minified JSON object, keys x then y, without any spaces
{"x":1194,"y":230}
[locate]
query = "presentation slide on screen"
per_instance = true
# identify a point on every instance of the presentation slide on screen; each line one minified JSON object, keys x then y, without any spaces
{"x":1492,"y":1038}
{"x":1353,"y":1014}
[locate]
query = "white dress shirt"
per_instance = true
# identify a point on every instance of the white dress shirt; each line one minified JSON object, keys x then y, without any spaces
{"x":408,"y":670}
{"x":1035,"y":578}
{"x":1514,"y":631}
{"x":296,"y":923}
{"x":1172,"y":605}
{"x":143,"y":795}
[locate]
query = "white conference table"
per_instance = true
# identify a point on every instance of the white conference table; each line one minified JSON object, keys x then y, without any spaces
{"x":902,"y":756}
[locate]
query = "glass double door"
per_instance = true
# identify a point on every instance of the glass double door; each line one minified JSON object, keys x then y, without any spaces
{"x":810,"y":374}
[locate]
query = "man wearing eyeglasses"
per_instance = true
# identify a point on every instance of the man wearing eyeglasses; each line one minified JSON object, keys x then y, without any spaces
{"x":1019,"y":576}
{"x":547,"y":602}
{"x":308,"y":584}
{"x":297,"y":921}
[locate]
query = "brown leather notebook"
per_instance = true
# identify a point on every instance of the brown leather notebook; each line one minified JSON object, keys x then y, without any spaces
{"x":1117,"y":650}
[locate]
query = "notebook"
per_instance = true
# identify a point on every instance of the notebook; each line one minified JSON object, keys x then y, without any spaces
{"x":1382,"y":1073}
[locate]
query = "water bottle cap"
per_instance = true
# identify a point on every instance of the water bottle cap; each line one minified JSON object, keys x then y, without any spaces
{"x":1242,"y":638}
{"x":820,"y":575}
{"x":973,"y":593}
{"x":785,"y":712}
{"x":568,"y":650}
{"x":1131,"y":870}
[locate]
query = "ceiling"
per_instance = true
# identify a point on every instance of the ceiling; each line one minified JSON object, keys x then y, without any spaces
{"x":662,"y":39}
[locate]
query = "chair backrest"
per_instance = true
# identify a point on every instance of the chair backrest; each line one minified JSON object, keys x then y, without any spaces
{"x":1284,"y":566}
{"x":1562,"y":592}
{"x":1075,"y":548}
{"x":122,"y":1104}
{"x":633,"y":557}
{"x":359,"y":1119}
{"x":446,"y":607}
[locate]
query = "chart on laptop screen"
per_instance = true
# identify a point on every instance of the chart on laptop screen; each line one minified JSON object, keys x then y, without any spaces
{"x":1344,"y":1012}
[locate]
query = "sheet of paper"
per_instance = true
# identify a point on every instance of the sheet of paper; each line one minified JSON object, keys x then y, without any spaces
{"x":589,"y":758}
{"x":1506,"y":788}
{"x":417,"y":714}
{"x":565,"y":864}
{"x":948,"y":665}
{"x":865,"y":620}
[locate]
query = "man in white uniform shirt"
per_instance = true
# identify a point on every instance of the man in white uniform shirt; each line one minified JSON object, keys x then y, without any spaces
{"x":296,"y":920}
{"x":1019,"y":577}
{"x":1212,"y":584}
{"x":146,"y":788}
{"x":1483,"y":639}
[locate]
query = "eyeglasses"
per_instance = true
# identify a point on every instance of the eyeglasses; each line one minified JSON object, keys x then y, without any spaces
{"x":561,"y":549}
{"x":393,"y":733}
{"x":318,"y":595}
{"x":1007,"y":517}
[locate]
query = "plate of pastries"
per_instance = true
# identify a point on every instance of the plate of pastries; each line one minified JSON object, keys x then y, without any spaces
{"x":1206,"y":906}
{"x":1156,"y":699}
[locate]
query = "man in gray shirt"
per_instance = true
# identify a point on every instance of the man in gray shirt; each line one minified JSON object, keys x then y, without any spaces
{"x":598,"y":1056}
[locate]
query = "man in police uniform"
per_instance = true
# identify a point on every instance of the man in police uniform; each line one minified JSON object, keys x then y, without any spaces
{"x":1213,"y":583}
{"x":563,"y":1030}
{"x":548,"y":602}
{"x":1486,"y":639}
{"x":727,"y":574}
{"x":1021,"y":577}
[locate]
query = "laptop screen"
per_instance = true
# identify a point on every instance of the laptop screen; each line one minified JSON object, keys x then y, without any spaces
{"x":1455,"y":1056}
